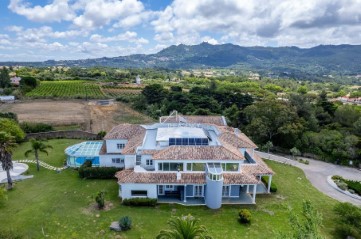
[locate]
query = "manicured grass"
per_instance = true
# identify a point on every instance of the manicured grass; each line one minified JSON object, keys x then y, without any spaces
{"x":60,"y":205}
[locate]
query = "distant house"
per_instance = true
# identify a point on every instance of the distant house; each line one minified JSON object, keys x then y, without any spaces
{"x":189,"y":160}
{"x":138,"y":81}
{"x":7,"y":98}
{"x":15,"y":80}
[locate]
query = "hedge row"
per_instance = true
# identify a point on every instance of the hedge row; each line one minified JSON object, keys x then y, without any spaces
{"x":273,"y":188}
{"x":148,"y":202}
{"x":88,"y":172}
{"x":35,"y":127}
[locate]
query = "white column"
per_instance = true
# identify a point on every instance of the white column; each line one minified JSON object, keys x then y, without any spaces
{"x":254,"y":193}
{"x":269,"y":183}
{"x":247,"y":191}
{"x":185,"y":193}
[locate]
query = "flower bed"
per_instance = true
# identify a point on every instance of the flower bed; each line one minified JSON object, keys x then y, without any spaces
{"x":351,"y":186}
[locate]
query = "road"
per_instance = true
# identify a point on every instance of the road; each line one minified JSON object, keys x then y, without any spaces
{"x":317,"y":173}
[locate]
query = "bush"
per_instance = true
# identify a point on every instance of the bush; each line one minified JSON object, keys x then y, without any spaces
{"x":148,"y":202}
{"x":101,"y":134}
{"x":9,"y":115}
{"x":125,"y":223}
{"x":341,"y":185}
{"x":99,"y":199}
{"x":245,"y":216}
{"x":349,"y":221}
{"x":337,"y":177}
{"x":88,"y":172}
{"x":35,"y":127}
{"x":354,"y":185}
{"x":273,"y":188}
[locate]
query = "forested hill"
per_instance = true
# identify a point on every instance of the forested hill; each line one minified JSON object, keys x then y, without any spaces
{"x":319,"y":60}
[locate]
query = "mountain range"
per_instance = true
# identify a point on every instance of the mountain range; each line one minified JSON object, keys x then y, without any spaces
{"x":294,"y":61}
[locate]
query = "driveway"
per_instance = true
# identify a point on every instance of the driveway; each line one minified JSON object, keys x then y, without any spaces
{"x":317,"y":173}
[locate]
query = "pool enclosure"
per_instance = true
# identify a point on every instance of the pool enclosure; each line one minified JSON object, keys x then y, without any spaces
{"x":77,"y":154}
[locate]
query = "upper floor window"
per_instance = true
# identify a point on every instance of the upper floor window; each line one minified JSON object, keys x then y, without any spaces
{"x":120,"y":146}
{"x":149,"y":162}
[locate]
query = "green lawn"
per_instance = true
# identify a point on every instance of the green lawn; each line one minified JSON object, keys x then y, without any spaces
{"x":60,"y":205}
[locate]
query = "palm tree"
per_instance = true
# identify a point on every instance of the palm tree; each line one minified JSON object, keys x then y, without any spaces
{"x":36,"y":147}
{"x":7,"y":145}
{"x":185,"y":227}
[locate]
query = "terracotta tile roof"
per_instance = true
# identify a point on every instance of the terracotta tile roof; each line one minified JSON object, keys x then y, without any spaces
{"x":134,"y":142}
{"x":235,"y":137}
{"x":129,"y":176}
{"x":124,"y":131}
{"x":149,"y":151}
{"x":239,"y":178}
{"x":198,"y":152}
{"x":259,"y":168}
{"x":201,"y":119}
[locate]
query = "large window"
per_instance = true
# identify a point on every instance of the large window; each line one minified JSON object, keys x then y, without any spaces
{"x":231,"y":167}
{"x":170,"y":166}
{"x":120,"y":146}
{"x":196,"y":166}
{"x":188,"y":141}
{"x":225,"y":191}
{"x":139,"y":193}
{"x":198,"y":190}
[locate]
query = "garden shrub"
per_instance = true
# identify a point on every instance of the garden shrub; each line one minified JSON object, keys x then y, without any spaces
{"x":9,"y":115}
{"x":273,"y":188}
{"x":245,"y":216}
{"x":354,"y":185}
{"x":99,"y":199}
{"x":349,"y":220}
{"x":342,"y":185}
{"x":148,"y":202}
{"x":125,"y":223}
{"x":89,"y":172}
{"x":35,"y":127}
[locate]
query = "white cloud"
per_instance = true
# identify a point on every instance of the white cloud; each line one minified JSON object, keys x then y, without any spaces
{"x":259,"y":22}
{"x":131,"y":37}
{"x":55,"y":12}
{"x":98,"y":13}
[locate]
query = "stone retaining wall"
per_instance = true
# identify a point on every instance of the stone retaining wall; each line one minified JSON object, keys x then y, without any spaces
{"x":67,"y":134}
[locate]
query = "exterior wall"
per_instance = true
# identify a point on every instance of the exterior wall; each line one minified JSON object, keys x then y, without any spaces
{"x":129,"y":161}
{"x":112,"y":145}
{"x":127,"y":188}
{"x":106,"y":160}
{"x":144,"y":162}
{"x":235,"y":190}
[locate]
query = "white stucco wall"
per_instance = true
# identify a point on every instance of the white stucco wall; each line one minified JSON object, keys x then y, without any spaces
{"x":106,"y":160}
{"x":127,"y":188}
{"x":112,"y":145}
{"x":129,"y":161}
{"x":144,"y":162}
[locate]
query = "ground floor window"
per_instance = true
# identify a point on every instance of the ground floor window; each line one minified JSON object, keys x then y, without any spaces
{"x":225,"y":191}
{"x":139,"y":193}
{"x":160,"y":190}
{"x":169,"y":187}
{"x":117,"y":160}
{"x":198,"y":190}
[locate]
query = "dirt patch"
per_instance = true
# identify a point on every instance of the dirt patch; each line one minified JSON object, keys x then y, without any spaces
{"x":87,"y":115}
{"x":93,"y":209}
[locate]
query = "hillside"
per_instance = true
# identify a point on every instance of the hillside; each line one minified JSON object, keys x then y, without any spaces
{"x":291,"y":61}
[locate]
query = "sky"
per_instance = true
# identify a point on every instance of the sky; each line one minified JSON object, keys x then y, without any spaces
{"x":38,"y":30}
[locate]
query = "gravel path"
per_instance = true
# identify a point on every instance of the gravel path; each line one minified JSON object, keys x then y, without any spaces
{"x":318,"y":171}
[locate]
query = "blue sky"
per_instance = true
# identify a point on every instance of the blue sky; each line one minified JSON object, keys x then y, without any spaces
{"x":34,"y":30}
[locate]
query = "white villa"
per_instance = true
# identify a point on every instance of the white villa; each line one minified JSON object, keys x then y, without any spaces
{"x":191,"y":160}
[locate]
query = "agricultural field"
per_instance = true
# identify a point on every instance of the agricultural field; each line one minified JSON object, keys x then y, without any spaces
{"x":116,"y":91}
{"x":67,"y":89}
